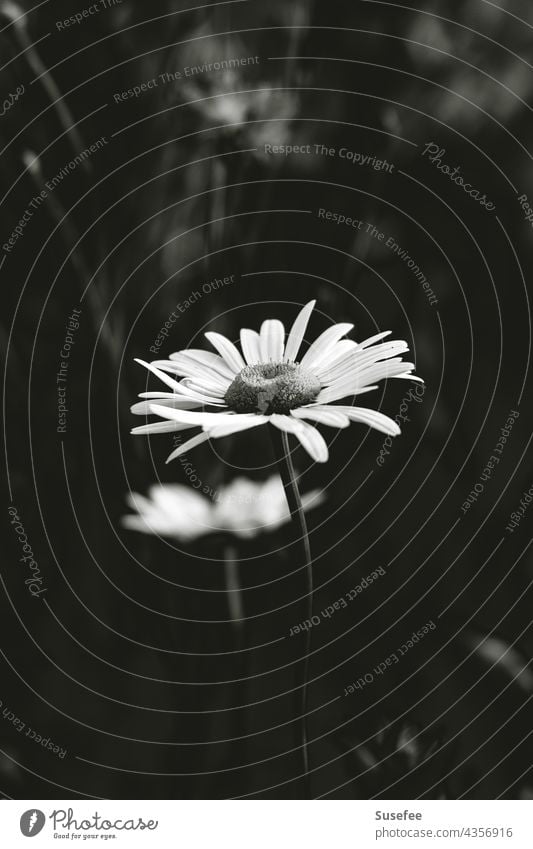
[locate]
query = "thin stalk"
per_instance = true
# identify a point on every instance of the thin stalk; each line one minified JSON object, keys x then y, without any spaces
{"x":236,"y":613}
{"x":288,"y":474}
{"x":18,"y":19}
{"x":233,"y":590}
{"x":77,"y":258}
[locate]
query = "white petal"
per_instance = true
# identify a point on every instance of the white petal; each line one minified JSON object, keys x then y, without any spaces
{"x":180,"y":388}
{"x":372,"y":339}
{"x":378,"y":371}
{"x":313,"y":499}
{"x":180,"y":400}
{"x":138,"y":502}
{"x":187,"y":367}
{"x":142,"y":408}
{"x":297,"y":333}
{"x":172,"y":497}
{"x":177,"y":387}
{"x":285,"y":423}
{"x":172,"y":510}
{"x":352,"y":384}
{"x":313,"y":442}
{"x":227,"y":351}
{"x":322,"y":415}
{"x":191,"y":443}
{"x":182,"y":505}
{"x":236,"y":426}
{"x":326,"y":395}
{"x":160,"y":427}
{"x":250,"y":346}
{"x":207,"y":400}
{"x":191,"y":416}
{"x":409,"y":376}
{"x":164,"y":526}
{"x":272,"y":338}
{"x":181,"y":366}
{"x":372,"y":418}
{"x":355,"y":361}
{"x":325,"y":341}
{"x":187,"y":392}
{"x":206,"y":386}
{"x":337,"y":354}
{"x":205,"y":358}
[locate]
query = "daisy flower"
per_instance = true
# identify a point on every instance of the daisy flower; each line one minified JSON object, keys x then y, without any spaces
{"x":244,"y":508}
{"x":269,"y":384}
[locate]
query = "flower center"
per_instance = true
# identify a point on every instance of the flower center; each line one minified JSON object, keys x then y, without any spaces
{"x":272,"y":388}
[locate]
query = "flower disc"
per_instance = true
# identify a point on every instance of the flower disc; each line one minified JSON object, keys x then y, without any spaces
{"x":272,"y":388}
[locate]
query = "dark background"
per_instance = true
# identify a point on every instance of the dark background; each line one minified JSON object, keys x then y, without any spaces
{"x":127,"y":660}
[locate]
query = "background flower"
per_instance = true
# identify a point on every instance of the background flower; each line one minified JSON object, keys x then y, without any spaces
{"x":244,"y":508}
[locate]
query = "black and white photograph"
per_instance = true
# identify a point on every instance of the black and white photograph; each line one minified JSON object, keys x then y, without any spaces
{"x":266,"y":378}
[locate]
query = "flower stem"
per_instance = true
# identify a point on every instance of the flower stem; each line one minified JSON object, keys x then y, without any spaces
{"x":288,"y":474}
{"x":238,"y":754}
{"x":233,"y":589}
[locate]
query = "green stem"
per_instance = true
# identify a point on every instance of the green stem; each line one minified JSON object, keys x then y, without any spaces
{"x":288,"y":474}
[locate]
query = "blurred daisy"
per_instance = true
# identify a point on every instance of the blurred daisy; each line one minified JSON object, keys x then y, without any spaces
{"x":244,"y":508}
{"x":268,"y":384}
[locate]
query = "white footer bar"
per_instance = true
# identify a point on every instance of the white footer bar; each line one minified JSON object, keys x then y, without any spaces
{"x":268,"y":824}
